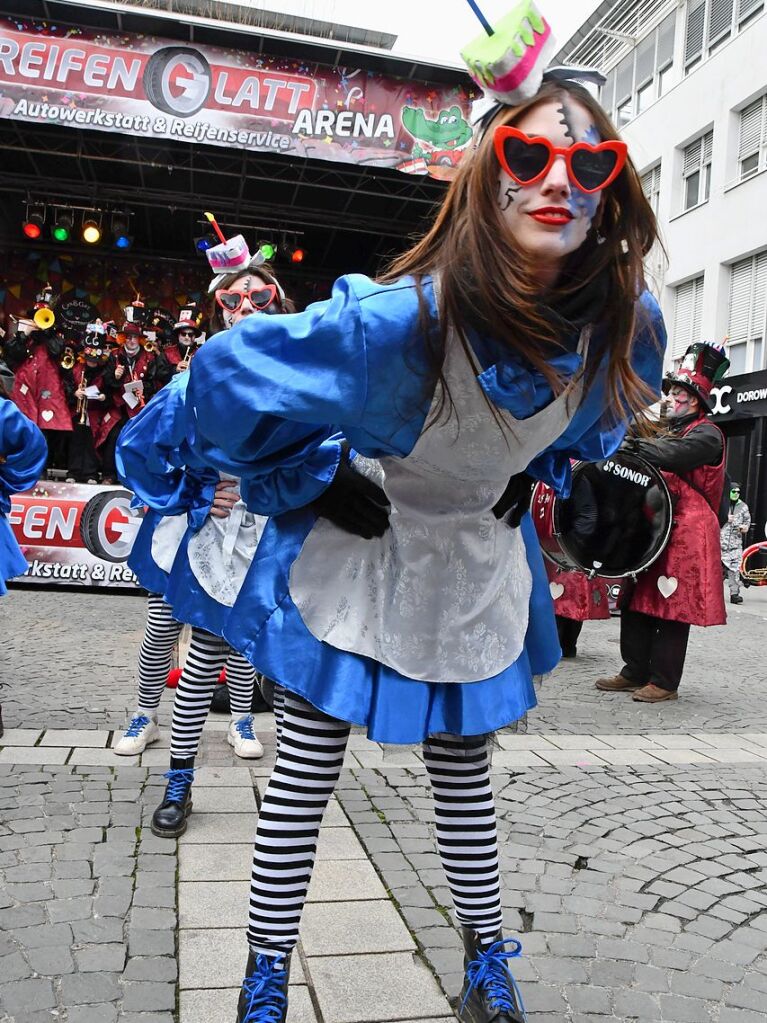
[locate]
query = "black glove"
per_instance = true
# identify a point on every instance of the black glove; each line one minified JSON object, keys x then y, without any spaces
{"x":353,"y":502}
{"x":515,"y":499}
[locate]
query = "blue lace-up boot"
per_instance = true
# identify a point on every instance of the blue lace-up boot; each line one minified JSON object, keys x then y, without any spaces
{"x":490,"y":993}
{"x":264,"y":995}
{"x":169,"y":819}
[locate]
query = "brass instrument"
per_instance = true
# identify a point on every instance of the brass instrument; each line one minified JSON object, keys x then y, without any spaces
{"x":151,"y":347}
{"x":67,"y":358}
{"x":750,"y":571}
{"x":82,"y":403}
{"x":44,"y":318}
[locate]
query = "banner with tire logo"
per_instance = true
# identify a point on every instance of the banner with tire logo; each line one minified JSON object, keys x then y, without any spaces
{"x":145,"y":87}
{"x":76,"y":534}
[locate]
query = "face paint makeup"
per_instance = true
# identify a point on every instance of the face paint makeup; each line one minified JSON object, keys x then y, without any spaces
{"x":246,"y":283}
{"x":682,"y":402}
{"x":551,"y":217}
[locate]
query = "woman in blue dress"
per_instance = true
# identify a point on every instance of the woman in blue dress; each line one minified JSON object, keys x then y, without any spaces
{"x":516,"y":335}
{"x":23,"y":453}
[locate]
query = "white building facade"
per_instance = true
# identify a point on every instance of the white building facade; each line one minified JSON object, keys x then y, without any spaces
{"x":687,"y":85}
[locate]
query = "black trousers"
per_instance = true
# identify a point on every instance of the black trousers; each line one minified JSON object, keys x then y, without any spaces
{"x":568,"y":630}
{"x":653,"y":650}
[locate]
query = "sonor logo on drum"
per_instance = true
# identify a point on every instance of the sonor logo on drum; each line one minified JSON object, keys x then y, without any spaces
{"x":625,"y":473}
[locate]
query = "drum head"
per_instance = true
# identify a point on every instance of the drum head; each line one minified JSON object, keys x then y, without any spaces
{"x":617,"y":519}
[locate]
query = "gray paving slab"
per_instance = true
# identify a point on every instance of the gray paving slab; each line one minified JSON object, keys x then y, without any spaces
{"x":214,"y":957}
{"x":348,"y":928}
{"x":219,"y":1006}
{"x":75,"y":737}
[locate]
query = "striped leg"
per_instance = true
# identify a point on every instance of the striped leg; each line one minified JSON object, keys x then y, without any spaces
{"x":310,"y":754}
{"x":279,"y":708}
{"x":467,"y":838}
{"x":207,"y":654}
{"x":240,"y":680}
{"x":161,"y":633}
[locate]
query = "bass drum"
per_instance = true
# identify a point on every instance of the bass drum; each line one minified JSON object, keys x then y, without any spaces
{"x":615,"y":523}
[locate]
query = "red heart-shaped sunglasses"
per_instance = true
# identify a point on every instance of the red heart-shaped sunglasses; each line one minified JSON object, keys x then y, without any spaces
{"x":527,"y":159}
{"x":260,"y":298}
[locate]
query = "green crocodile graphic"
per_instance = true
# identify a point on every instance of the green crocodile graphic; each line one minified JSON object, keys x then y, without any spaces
{"x":440,"y":140}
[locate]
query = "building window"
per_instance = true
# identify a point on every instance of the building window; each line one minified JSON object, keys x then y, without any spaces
{"x":748,"y":308}
{"x":711,"y":22}
{"x":696,"y":171}
{"x":642,"y":76}
{"x":688,"y":316}
{"x":651,"y":186}
{"x":752,"y":141}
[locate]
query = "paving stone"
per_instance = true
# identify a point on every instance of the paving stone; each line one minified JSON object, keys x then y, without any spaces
{"x":150,"y":943}
{"x":106,"y":1013}
{"x":100,"y":958}
{"x":46,"y":936}
{"x":152,"y":968}
{"x":219,"y":1006}
{"x":28,"y":996}
{"x":13,"y":967}
{"x":333,"y":928}
{"x":148,"y":997}
{"x":84,"y":988}
{"x":153,"y":919}
{"x":50,"y":962}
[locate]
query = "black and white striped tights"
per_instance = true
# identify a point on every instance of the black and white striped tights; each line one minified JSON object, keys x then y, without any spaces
{"x":310,"y":754}
{"x":207,"y":656}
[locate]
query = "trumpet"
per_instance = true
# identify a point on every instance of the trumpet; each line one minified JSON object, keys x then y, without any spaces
{"x":151,"y":347}
{"x":67,"y":358}
{"x":44,"y":318}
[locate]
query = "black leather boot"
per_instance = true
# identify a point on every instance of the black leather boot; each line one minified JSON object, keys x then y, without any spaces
{"x":264,"y":994}
{"x":490,"y":993}
{"x":169,"y":819}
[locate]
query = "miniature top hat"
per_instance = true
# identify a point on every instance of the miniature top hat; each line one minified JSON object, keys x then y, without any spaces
{"x":187,"y":320}
{"x":135,"y":313}
{"x":229,"y":256}
{"x":703,"y":364}
{"x":131,"y":328}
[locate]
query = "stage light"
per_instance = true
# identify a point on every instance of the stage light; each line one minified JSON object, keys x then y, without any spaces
{"x":91,"y":231}
{"x":297,"y":256}
{"x":205,"y":242}
{"x":120,"y":224}
{"x":32,"y":225}
{"x":62,"y":226}
{"x":267,"y":250}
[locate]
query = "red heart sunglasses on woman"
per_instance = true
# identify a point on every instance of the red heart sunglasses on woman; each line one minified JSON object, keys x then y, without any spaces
{"x":260,"y":298}
{"x":527,"y":159}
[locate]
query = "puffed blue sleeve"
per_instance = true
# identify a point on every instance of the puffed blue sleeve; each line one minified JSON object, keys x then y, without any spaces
{"x":23,"y":453}
{"x":587,"y":438}
{"x":155,"y":462}
{"x":286,"y":489}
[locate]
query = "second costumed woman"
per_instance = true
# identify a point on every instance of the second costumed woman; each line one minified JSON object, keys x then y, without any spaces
{"x":516,"y":335}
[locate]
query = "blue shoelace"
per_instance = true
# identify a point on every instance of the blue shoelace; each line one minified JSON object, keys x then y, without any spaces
{"x":490,"y":972}
{"x":264,"y":992}
{"x":245,"y":727}
{"x":137,"y":725}
{"x":179,"y":780}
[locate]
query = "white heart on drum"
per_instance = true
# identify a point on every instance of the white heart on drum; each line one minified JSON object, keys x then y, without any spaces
{"x":556,"y":590}
{"x":667,"y":585}
{"x":46,"y":415}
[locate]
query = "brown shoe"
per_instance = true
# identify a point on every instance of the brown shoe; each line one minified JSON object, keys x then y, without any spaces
{"x":653,"y":694}
{"x":617,"y":684}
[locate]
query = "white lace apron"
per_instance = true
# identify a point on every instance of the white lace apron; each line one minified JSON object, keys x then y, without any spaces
{"x":221,"y":552}
{"x":443,"y":595}
{"x":166,"y":540}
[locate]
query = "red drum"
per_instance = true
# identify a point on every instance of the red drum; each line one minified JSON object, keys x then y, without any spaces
{"x":615,"y":523}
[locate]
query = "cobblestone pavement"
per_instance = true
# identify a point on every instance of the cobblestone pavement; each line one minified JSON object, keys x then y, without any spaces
{"x":639,"y":894}
{"x":638,"y":884}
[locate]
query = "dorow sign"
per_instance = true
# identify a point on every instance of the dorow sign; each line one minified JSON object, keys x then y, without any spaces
{"x":740,"y":397}
{"x":154,"y":88}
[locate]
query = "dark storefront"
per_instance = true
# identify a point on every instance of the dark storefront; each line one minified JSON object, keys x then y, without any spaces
{"x":741,"y":410}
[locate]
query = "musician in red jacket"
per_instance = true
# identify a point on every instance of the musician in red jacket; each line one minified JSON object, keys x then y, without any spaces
{"x":684,"y":586}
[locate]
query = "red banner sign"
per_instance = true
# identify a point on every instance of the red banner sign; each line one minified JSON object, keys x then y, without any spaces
{"x":74,"y":533}
{"x":154,"y":88}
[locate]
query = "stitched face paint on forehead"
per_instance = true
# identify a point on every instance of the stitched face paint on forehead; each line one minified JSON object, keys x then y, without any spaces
{"x":566,"y":120}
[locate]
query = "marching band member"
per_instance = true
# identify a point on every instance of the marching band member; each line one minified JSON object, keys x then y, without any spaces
{"x":41,"y":359}
{"x":733,"y":531}
{"x":684,"y":586}
{"x":488,"y":349}
{"x":94,"y":415}
{"x":22,"y":459}
{"x":175,"y":357}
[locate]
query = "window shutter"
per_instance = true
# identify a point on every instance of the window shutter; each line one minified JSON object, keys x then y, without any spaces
{"x":720,"y":20}
{"x":708,"y":146}
{"x":693,"y":43}
{"x":688,"y":310}
{"x":692,"y":157}
{"x":740,"y":300}
{"x":645,"y":60}
{"x":759,"y":301}
{"x":750,"y":129}
{"x":607,"y":95}
{"x":666,"y":41}
{"x":624,"y":79}
{"x":746,"y":7}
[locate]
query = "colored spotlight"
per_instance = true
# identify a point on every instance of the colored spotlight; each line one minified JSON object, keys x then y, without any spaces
{"x":91,"y":232}
{"x":297,"y":256}
{"x":123,"y":241}
{"x":32,"y":225}
{"x":268,"y":250}
{"x":120,"y":225}
{"x":62,"y":226}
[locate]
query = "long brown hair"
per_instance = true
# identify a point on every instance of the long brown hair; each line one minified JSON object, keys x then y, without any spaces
{"x":488,"y":283}
{"x":267,"y":275}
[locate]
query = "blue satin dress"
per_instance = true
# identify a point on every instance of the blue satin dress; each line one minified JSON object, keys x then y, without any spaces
{"x":23,"y":454}
{"x":269,"y":391}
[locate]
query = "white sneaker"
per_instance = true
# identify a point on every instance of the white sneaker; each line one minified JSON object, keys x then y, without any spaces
{"x":243,"y":738}
{"x":137,"y":736}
